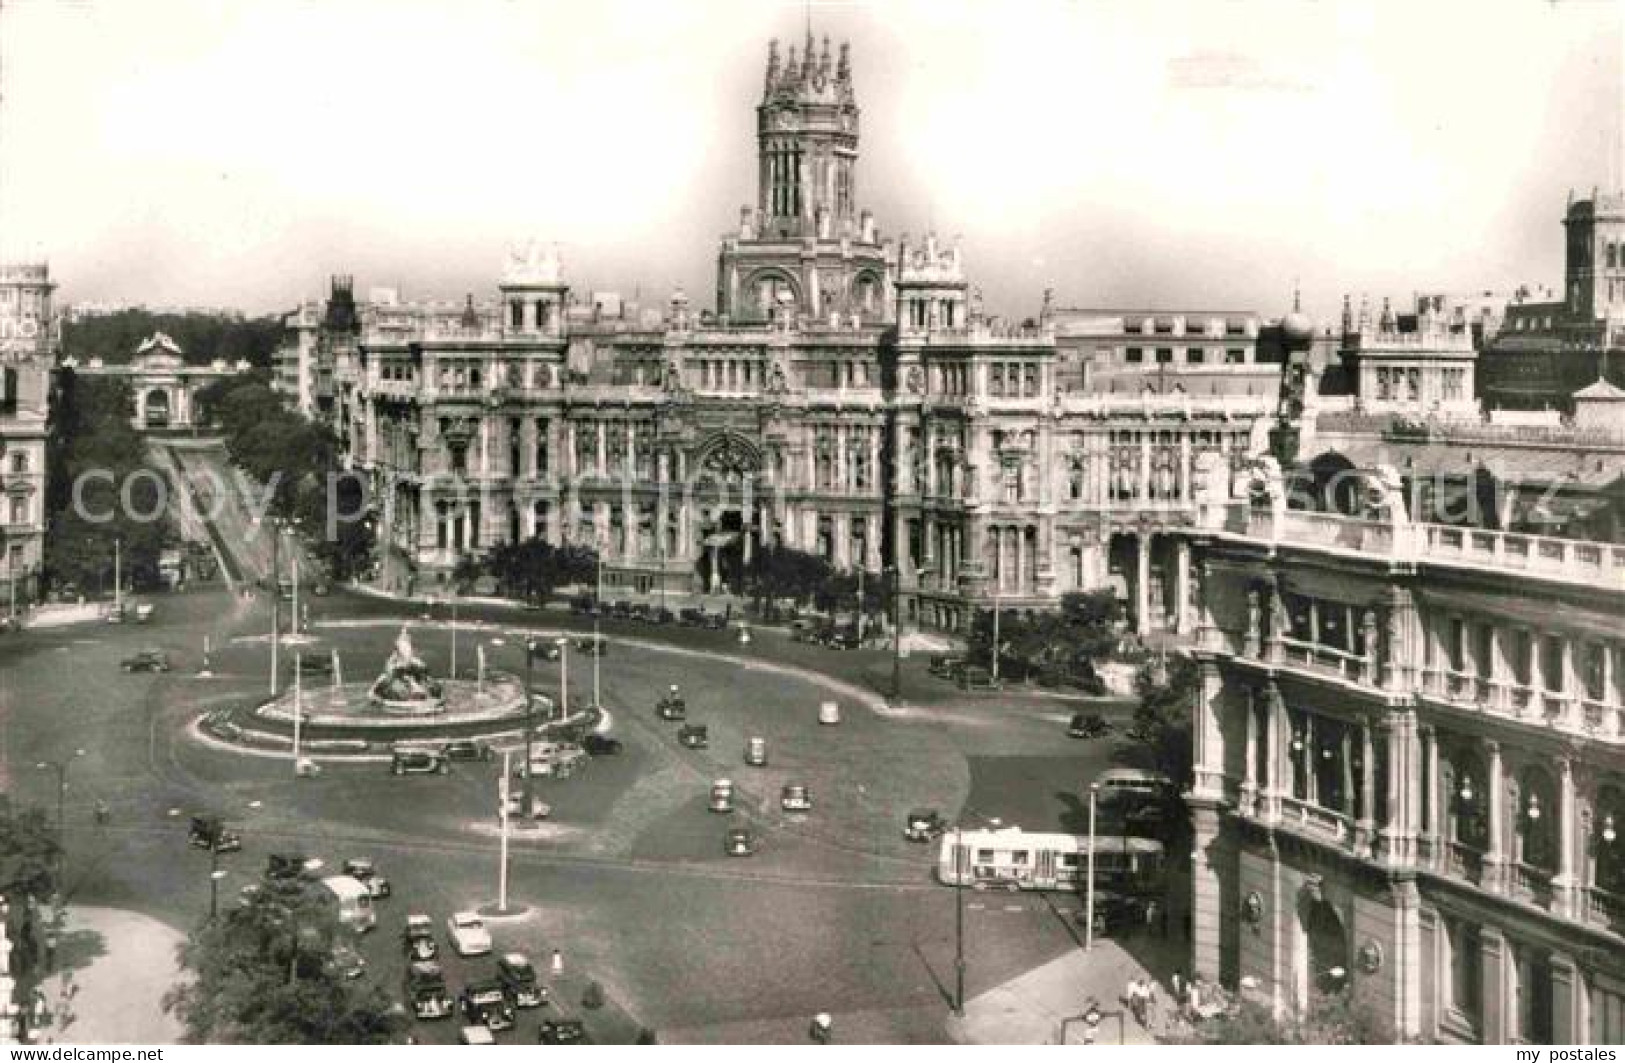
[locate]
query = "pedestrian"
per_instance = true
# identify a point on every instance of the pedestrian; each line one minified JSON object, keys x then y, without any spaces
{"x":1130,"y":991}
{"x":1150,"y":1003}
{"x":557,"y":966}
{"x":1150,"y":915}
{"x":1177,"y":984}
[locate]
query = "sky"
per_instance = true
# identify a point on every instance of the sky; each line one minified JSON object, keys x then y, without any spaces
{"x":1155,"y":153}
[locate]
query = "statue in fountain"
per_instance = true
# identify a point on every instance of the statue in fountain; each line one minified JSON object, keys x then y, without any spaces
{"x":405,"y":682}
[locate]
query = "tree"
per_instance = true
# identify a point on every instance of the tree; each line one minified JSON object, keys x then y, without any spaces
{"x":1331,"y":1019}
{"x":1162,"y":722}
{"x":534,"y":568}
{"x":261,"y":973}
{"x":1064,"y":642}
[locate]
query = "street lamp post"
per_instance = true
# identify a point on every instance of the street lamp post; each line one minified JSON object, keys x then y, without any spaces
{"x":996,"y":653}
{"x":961,"y":865}
{"x":1089,"y":882}
{"x":298,"y":707}
{"x":504,"y":812}
{"x":597,"y":654}
{"x":61,"y":769}
{"x":896,"y":635}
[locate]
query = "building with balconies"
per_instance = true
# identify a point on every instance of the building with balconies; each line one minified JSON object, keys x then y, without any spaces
{"x":29,"y":340}
{"x":1407,"y":777}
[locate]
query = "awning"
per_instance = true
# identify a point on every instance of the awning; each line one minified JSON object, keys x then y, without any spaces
{"x":1528,"y":612}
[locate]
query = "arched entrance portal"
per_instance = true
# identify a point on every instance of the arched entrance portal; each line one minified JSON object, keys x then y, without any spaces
{"x":156,"y":409}
{"x":727,"y":491}
{"x":1327,"y":950}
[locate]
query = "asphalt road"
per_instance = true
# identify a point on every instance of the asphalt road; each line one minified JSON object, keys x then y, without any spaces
{"x":628,"y":880}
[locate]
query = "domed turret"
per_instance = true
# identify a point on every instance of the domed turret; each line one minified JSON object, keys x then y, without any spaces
{"x":1297,"y":328}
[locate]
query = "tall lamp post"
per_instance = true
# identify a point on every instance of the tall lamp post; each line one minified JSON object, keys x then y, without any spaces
{"x":61,"y":769}
{"x":1089,"y":881}
{"x":961,"y":866}
{"x":277,"y":524}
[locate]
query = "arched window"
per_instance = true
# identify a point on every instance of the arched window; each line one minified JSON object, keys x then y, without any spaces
{"x":1468,"y":800}
{"x":1537,"y":820}
{"x":1607,"y":845}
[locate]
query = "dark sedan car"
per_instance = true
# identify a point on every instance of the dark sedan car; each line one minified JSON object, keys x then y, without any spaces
{"x":601,"y":745}
{"x":485,"y":1004}
{"x":147,"y":661}
{"x":561,"y":1032}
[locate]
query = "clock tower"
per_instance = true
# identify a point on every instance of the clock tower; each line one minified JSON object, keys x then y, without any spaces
{"x":805,"y":251}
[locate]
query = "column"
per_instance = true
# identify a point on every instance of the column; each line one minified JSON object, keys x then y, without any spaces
{"x":841,"y":480}
{"x":569,"y":463}
{"x":1568,"y":1001}
{"x":1345,"y":756}
{"x":1432,"y":793}
{"x":1537,"y":674}
{"x":812,"y":460}
{"x":1368,"y":779}
{"x":1018,"y":540}
{"x":1144,"y":483}
{"x":1182,"y":583}
{"x":842,"y":527}
{"x":930,"y":436}
{"x":871,"y":541}
{"x":876,"y":478}
{"x":1564,"y":883}
{"x":1499,"y":671}
{"x":1495,"y":858}
{"x":1249,"y":781}
{"x":1571,"y":692}
{"x":603,"y":449}
{"x":1495,"y":1013}
{"x":629,"y":532}
{"x":1142,"y":585}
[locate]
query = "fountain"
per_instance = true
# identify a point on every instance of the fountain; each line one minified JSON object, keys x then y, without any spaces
{"x":405,"y":688}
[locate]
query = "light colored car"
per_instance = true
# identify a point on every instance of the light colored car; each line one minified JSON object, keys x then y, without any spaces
{"x":468,"y":935}
{"x":795,"y":798}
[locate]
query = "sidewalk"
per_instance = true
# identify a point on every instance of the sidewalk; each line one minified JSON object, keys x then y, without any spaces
{"x":121,"y":964}
{"x":1029,"y":1009}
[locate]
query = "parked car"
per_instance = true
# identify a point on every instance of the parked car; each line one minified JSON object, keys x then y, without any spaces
{"x":621,"y":610}
{"x":291,"y":868}
{"x":519,"y":982}
{"x":1141,"y":781}
{"x":541,"y":649}
{"x":365,"y":872}
{"x":672,"y":706}
{"x":722,"y":796}
{"x":974,"y":677}
{"x":467,"y":934}
{"x":314,"y":665}
{"x":583,"y":605}
{"x":346,"y":962}
{"x":690,"y":617}
{"x":693,"y":736}
{"x":946,"y":666}
{"x":598,"y":745}
{"x":639,"y":611}
{"x":478,"y":1034}
{"x":713,"y":621}
{"x":1114,"y":911}
{"x":756,"y":751}
{"x":466,"y":749}
{"x":418,"y":762}
{"x":923,"y":825}
{"x":209,"y":833}
{"x":483,"y":1003}
{"x":148,"y":660}
{"x":424,"y":987}
{"x":809,"y":631}
{"x":659,"y":614}
{"x":561,"y":1032}
{"x":739,"y":842}
{"x":842,"y":638}
{"x":795,"y":797}
{"x":1088,"y":725}
{"x":539,"y":809}
{"x":591,"y":646}
{"x":417,"y":938}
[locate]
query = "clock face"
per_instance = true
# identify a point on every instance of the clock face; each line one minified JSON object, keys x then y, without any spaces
{"x":785,"y":119}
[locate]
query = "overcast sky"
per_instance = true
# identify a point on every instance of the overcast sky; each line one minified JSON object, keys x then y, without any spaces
{"x":1167,"y":154}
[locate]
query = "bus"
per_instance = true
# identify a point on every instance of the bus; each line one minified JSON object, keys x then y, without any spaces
{"x":1015,"y":859}
{"x":351,"y":901}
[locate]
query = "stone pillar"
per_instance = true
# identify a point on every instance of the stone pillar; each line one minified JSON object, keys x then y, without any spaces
{"x":1182,"y":585}
{"x":1368,"y":780}
{"x":877,"y":478}
{"x":1207,"y":898}
{"x":1432,"y":793}
{"x":1495,"y":858}
{"x":842,"y":528}
{"x":603,"y":449}
{"x":1499,"y":670}
{"x":1142,"y":584}
{"x":629,"y":532}
{"x":1569,"y":1025}
{"x":1249,"y":778}
{"x":715,"y":569}
{"x":570,"y":464}
{"x":1565,"y":884}
{"x":871,"y":540}
{"x":1496,"y":1026}
{"x":841,"y":472}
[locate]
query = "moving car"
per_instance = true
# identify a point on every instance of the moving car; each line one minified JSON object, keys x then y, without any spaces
{"x":1088,"y":725}
{"x":424,"y":987}
{"x":693,"y":736}
{"x":484,"y":1004}
{"x":418,"y":762}
{"x":476,"y":1035}
{"x":795,"y":798}
{"x":539,"y":809}
{"x":467,"y":934}
{"x":285,"y":868}
{"x":148,"y":660}
{"x":923,"y":825}
{"x":466,"y":749}
{"x":561,"y":1032}
{"x":598,"y":745}
{"x":518,"y":980}
{"x":829,"y":712}
{"x":542,"y":649}
{"x":722,"y":796}
{"x":756,"y":751}
{"x":591,"y":646}
{"x":842,"y":638}
{"x":365,"y":872}
{"x":1140,"y":781}
{"x":739,"y":842}
{"x":946,"y":666}
{"x":417,"y":938}
{"x":671,"y":705}
{"x":209,"y":833}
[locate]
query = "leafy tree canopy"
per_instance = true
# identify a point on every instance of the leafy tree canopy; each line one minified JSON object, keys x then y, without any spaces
{"x":203,"y":337}
{"x":260,"y":974}
{"x":1331,"y":1019}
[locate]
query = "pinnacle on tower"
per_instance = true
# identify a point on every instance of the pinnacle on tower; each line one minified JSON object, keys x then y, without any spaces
{"x":772,"y":63}
{"x":792,"y":71}
{"x":843,"y":71}
{"x":823,"y":59}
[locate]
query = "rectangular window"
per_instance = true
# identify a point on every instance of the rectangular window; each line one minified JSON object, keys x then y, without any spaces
{"x":1234,"y":356}
{"x":1195,"y":356}
{"x":1019,"y":858}
{"x":984,"y":856}
{"x":1165,"y":355}
{"x":1133,"y":356}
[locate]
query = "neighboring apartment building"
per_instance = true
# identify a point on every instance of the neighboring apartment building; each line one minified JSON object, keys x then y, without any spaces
{"x":28,"y":344}
{"x":880,"y":417}
{"x":1408,"y":753}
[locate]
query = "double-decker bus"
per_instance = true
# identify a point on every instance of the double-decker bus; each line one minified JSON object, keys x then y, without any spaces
{"x":1011,"y":858}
